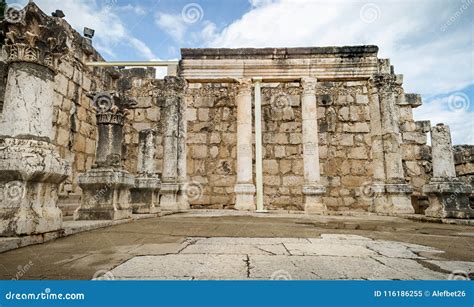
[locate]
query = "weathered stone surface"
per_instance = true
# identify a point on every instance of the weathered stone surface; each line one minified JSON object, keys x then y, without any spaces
{"x":448,"y":196}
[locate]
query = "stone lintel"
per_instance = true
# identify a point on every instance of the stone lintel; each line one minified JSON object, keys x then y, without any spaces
{"x":276,"y":53}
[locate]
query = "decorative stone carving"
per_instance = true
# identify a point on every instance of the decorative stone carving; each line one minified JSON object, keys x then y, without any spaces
{"x":37,"y":39}
{"x":106,"y":187}
{"x":145,"y":193}
{"x":448,"y":196}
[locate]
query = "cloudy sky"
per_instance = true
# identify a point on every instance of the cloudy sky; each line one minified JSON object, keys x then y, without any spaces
{"x":430,"y":42}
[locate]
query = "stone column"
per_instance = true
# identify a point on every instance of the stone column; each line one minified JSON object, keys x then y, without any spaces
{"x":244,"y":188}
{"x":106,"y":187}
{"x":30,"y":167}
{"x":145,"y":193}
{"x":171,"y":93}
{"x":312,"y":188}
{"x":448,"y":196}
{"x":393,"y":196}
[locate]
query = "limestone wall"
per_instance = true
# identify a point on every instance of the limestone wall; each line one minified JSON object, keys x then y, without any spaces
{"x":464,"y":163}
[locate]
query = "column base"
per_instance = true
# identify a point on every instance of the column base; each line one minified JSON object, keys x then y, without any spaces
{"x":448,"y":199}
{"x":313,"y":200}
{"x":105,"y":195}
{"x":169,"y":200}
{"x":392,"y":199}
{"x":145,"y":195}
{"x":30,"y":174}
{"x":245,"y":197}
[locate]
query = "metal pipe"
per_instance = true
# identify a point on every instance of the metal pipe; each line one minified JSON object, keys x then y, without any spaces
{"x":258,"y":144}
{"x":132,"y":63}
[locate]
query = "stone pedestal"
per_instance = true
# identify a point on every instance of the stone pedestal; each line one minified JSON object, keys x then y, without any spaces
{"x":313,"y":199}
{"x":448,"y":196}
{"x":30,"y":168}
{"x":106,"y":187}
{"x":244,"y":188}
{"x":391,"y":199}
{"x":145,"y":193}
{"x":105,"y":195}
{"x":312,"y":188}
{"x":30,"y":174}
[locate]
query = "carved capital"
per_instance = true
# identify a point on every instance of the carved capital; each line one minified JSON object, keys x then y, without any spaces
{"x":244,"y":87}
{"x":111,"y":106}
{"x":309,"y":85}
{"x":36,"y":39}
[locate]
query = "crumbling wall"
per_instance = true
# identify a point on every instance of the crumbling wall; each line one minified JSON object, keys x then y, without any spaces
{"x":464,"y":164}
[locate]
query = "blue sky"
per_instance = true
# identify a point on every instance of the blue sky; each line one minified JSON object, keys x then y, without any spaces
{"x":430,"y":42}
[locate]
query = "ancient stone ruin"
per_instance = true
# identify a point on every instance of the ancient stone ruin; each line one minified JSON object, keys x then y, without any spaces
{"x":336,"y":127}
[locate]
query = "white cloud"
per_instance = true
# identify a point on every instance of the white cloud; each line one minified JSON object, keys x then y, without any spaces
{"x":173,"y":25}
{"x":433,"y":56}
{"x":458,"y":118}
{"x":111,"y":31}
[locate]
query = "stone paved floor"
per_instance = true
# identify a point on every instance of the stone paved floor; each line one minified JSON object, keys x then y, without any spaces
{"x":219,"y":245}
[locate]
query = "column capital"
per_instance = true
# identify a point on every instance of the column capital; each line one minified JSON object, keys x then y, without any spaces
{"x":309,"y":85}
{"x":244,"y":86}
{"x":25,"y":41}
{"x":110,"y":106}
